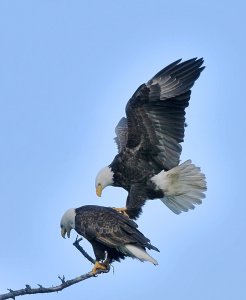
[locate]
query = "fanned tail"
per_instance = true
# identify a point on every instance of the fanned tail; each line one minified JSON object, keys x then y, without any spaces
{"x":183,"y":186}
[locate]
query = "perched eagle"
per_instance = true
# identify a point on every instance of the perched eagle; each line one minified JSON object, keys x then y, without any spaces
{"x":148,"y":141}
{"x":112,"y":235}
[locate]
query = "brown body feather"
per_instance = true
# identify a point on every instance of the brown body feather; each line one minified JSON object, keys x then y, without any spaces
{"x":107,"y":230}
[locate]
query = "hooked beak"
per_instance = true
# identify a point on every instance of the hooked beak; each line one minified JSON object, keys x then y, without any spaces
{"x":64,"y":232}
{"x":99,"y":190}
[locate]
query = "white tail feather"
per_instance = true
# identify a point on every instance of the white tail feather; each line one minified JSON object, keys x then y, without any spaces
{"x":138,"y":253}
{"x":183,"y":186}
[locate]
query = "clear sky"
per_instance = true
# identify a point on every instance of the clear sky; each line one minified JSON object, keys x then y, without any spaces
{"x":67,"y":69}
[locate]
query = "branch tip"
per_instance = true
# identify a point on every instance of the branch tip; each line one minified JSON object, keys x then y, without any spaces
{"x":82,"y":251}
{"x":62,"y":278}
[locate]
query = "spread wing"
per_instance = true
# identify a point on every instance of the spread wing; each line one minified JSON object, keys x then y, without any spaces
{"x":156,"y":113}
{"x":108,"y":227}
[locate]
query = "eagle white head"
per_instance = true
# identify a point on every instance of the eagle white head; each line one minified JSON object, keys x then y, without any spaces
{"x":103,"y":179}
{"x":67,"y":222}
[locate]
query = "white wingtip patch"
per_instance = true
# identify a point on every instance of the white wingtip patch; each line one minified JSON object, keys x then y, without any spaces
{"x":139,"y":253}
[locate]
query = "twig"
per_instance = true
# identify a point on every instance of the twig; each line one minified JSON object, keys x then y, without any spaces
{"x":81,"y":250}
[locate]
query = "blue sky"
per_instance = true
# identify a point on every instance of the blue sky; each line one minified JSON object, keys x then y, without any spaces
{"x":67,"y":69}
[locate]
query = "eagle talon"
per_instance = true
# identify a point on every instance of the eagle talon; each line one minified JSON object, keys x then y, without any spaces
{"x":100,"y":266}
{"x":121,"y":210}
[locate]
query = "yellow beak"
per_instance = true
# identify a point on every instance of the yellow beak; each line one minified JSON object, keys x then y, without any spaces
{"x":63,"y":232}
{"x":99,"y":190}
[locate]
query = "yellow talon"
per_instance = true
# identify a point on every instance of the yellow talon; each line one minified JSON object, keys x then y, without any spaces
{"x":100,"y":266}
{"x":121,"y":210}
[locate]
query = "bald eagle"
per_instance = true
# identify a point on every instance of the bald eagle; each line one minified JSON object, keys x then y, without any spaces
{"x":148,"y":140}
{"x":112,"y":235}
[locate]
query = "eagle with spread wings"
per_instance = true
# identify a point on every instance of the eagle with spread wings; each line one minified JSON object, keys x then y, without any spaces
{"x":148,"y":165}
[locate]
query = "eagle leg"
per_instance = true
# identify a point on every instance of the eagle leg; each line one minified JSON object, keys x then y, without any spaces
{"x":103,"y":266}
{"x":121,"y":210}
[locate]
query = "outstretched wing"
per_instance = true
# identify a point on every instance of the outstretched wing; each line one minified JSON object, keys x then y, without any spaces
{"x":108,"y":227}
{"x":156,"y":112}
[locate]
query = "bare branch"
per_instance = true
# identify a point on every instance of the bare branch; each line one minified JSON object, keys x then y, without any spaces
{"x":28,"y":290}
{"x":41,"y":290}
{"x":86,"y":255}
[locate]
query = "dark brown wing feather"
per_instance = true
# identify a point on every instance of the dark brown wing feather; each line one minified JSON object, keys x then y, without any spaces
{"x":156,"y":112}
{"x":121,"y":134}
{"x":105,"y":225}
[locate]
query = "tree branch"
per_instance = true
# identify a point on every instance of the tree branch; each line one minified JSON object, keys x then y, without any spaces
{"x":28,"y":290}
{"x":41,"y":290}
{"x":81,"y":250}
